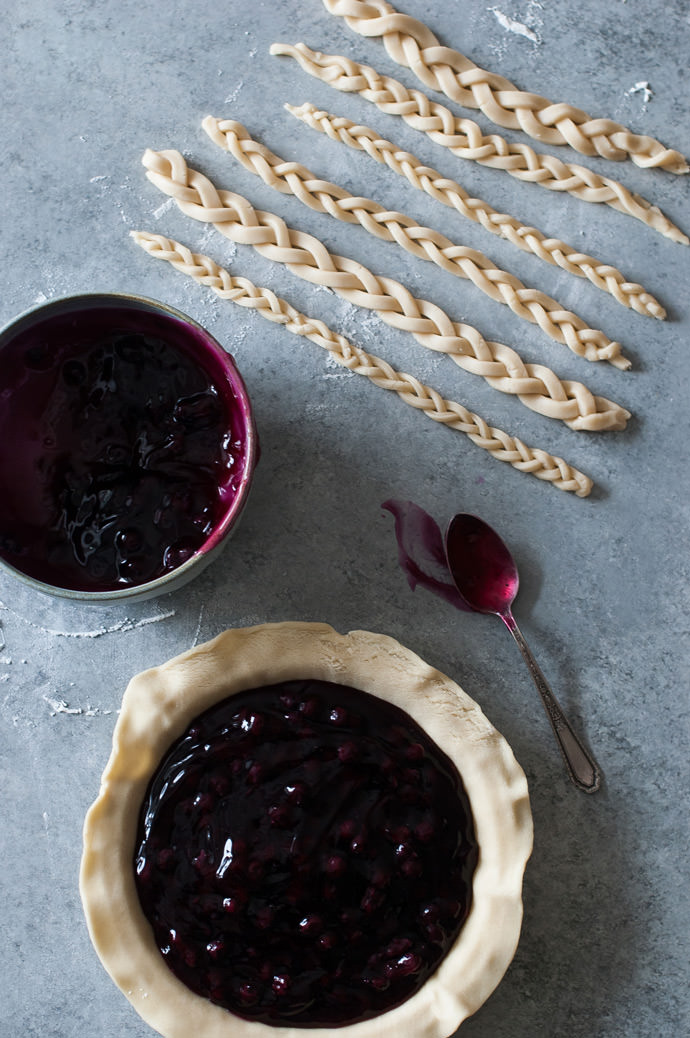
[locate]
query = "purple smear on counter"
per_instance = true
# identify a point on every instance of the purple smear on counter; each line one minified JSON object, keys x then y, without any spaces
{"x":421,"y":553}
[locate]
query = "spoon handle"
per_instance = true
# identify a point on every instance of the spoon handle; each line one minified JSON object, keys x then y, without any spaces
{"x":581,"y":766}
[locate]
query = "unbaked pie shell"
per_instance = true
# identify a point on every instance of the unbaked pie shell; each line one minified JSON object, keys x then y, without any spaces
{"x":159,"y":705}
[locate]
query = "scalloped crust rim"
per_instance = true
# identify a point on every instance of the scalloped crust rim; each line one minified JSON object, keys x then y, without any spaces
{"x":157,"y":707}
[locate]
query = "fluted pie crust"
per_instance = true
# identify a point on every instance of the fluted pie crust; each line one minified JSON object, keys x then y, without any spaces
{"x":158,"y":706}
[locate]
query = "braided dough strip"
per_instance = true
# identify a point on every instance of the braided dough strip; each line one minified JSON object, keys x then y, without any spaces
{"x":536,"y":386}
{"x":424,"y":242}
{"x":465,"y":140}
{"x":411,"y":44}
{"x":500,"y":445}
{"x":451,"y":194}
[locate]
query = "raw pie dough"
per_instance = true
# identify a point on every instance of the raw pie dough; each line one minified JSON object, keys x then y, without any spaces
{"x":424,"y":242}
{"x":502,"y":446}
{"x":465,"y":139}
{"x":157,"y":707}
{"x":450,"y":193}
{"x":535,"y":385}
{"x":412,"y":44}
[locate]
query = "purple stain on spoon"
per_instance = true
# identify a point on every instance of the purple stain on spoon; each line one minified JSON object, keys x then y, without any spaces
{"x":421,"y":551}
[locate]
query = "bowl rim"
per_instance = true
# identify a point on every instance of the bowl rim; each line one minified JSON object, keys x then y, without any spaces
{"x":166,"y":581}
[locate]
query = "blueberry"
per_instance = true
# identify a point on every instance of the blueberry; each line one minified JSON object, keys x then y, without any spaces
{"x":380,"y":876}
{"x":430,"y":912}
{"x":327,"y":941}
{"x":220,"y":785}
{"x":232,"y":905}
{"x":255,"y":871}
{"x":358,"y":844}
{"x":335,"y":865}
{"x":280,"y":816}
{"x":295,"y":793}
{"x":309,"y":707}
{"x":348,"y":752}
{"x":281,"y":984}
{"x":371,"y":900}
{"x":338,"y":716}
{"x":377,"y":982}
{"x":215,"y":948}
{"x":165,"y":859}
{"x":249,"y":993}
{"x":434,"y":933}
{"x":203,"y":802}
{"x":404,"y":966}
{"x":412,"y":868}
{"x":347,"y":829}
{"x":311,"y":924}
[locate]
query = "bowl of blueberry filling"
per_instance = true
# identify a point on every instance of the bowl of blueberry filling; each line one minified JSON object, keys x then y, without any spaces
{"x":127,"y":447}
{"x":299,"y":829}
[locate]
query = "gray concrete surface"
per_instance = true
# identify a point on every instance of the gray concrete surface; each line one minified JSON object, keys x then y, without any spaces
{"x":85,"y":88}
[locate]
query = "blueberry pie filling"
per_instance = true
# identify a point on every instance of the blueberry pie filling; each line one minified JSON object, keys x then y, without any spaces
{"x":273,"y":850}
{"x":122,"y":447}
{"x":305,"y":854}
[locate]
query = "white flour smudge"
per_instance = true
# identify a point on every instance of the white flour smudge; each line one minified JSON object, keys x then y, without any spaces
{"x":163,"y":209}
{"x":197,"y":633}
{"x":122,"y":625}
{"x":643,"y":88}
{"x":233,"y":95}
{"x":510,"y":25}
{"x":60,"y":706}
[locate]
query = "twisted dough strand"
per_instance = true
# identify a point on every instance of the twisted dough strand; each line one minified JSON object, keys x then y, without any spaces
{"x":446,"y":412}
{"x":536,"y":386}
{"x":411,"y":44}
{"x":451,"y":194}
{"x":423,"y":242}
{"x":465,"y":140}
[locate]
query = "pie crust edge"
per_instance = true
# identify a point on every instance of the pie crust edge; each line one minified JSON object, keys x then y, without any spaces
{"x":157,"y":707}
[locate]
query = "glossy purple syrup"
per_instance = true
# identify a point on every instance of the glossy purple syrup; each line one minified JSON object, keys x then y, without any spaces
{"x":122,"y":445}
{"x":482,"y":567}
{"x":421,"y":552}
{"x":305,"y":855}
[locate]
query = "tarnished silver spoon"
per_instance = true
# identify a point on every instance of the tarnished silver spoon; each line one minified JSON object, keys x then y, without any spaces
{"x":487,"y":580}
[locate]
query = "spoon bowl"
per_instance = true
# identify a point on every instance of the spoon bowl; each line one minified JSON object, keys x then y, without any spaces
{"x":483,"y":569}
{"x":486,"y":577}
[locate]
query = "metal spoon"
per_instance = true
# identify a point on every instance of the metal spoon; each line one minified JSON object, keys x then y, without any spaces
{"x":487,"y":580}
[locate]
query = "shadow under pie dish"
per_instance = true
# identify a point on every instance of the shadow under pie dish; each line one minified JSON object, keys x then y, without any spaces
{"x":299,"y":829}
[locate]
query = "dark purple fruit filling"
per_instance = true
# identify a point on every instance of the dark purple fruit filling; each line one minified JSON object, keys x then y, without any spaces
{"x":305,"y":855}
{"x":122,"y":445}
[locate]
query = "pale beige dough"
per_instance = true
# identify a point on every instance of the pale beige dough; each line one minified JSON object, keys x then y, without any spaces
{"x":423,"y":242}
{"x":465,"y":139}
{"x":157,"y":707}
{"x":449,"y":193}
{"x":532,"y":460}
{"x":535,"y":385}
{"x":412,"y":44}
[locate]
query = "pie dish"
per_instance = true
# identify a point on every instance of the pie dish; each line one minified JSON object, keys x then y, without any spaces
{"x":435,"y":724}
